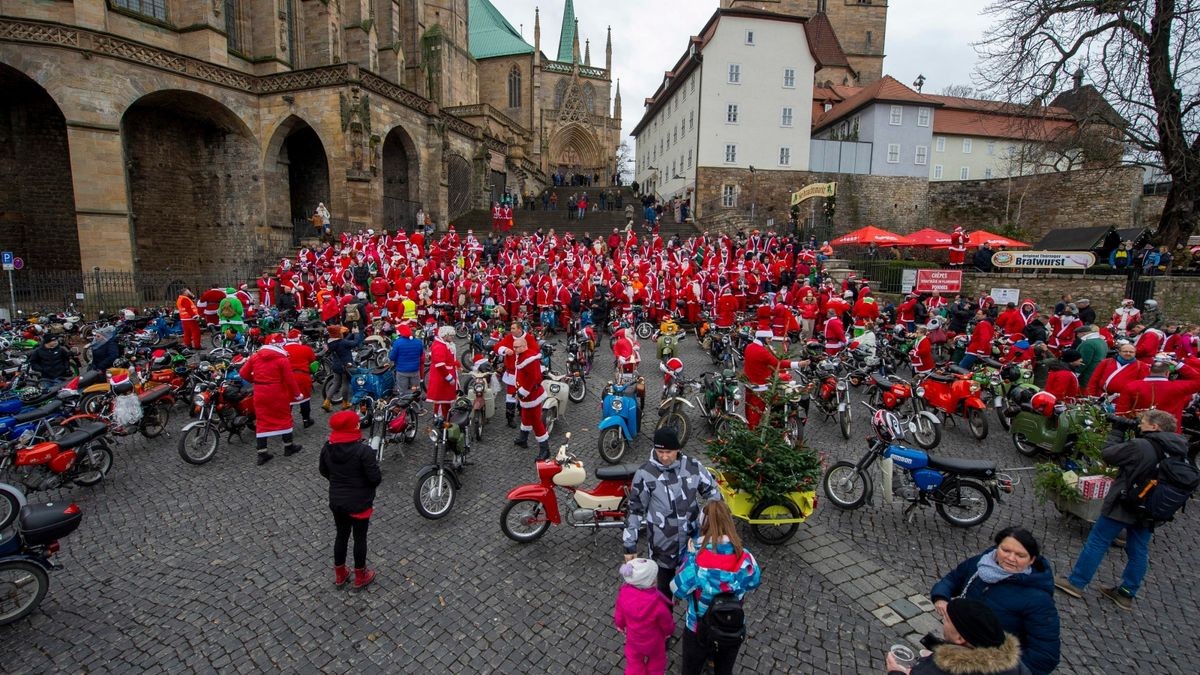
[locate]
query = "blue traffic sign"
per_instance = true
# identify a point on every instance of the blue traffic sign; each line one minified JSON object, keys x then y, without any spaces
{"x":7,"y":259}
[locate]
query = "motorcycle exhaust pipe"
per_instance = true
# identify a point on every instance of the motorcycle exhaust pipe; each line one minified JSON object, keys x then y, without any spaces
{"x":605,"y":524}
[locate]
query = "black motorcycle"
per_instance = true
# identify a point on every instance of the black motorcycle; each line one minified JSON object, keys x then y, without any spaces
{"x":25,"y":553}
{"x":438,"y":483}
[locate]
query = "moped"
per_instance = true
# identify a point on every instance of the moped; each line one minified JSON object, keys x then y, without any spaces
{"x":621,"y":418}
{"x":25,"y":556}
{"x":953,"y":393}
{"x":893,"y":393}
{"x":438,"y":483}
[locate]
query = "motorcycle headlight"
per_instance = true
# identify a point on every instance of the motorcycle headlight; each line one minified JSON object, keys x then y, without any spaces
{"x":198,"y":400}
{"x":433,"y":435}
{"x":617,"y":405}
{"x":737,"y":395}
{"x":920,"y":391}
{"x":841,"y":386}
{"x":479,"y":387}
{"x":974,"y":387}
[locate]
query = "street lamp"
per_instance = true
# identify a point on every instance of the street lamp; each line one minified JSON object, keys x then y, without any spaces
{"x":753,"y":196}
{"x":919,"y":82}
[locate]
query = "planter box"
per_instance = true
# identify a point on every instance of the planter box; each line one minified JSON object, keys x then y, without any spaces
{"x":1088,"y":510}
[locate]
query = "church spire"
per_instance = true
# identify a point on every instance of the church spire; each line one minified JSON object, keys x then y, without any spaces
{"x":617,"y":102}
{"x":608,"y":53}
{"x":587,"y":53}
{"x":575,"y":44}
{"x":537,"y":36}
{"x":567,"y":36}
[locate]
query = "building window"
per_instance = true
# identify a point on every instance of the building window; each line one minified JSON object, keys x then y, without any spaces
{"x":691,"y":120}
{"x":897,"y":116}
{"x":893,"y":153}
{"x":940,"y":145}
{"x":964,"y":173}
{"x":728,"y":196}
{"x":155,"y":9}
{"x":731,"y":113}
{"x":673,"y":171}
{"x":789,"y":78}
{"x":750,"y":37}
{"x":693,"y":85}
{"x":923,"y":115}
{"x":735,"y":73}
{"x":514,"y":87}
{"x":991,"y":148}
{"x":922,"y":157}
{"x":233,"y":30}
{"x":785,"y":118}
{"x":966,"y":146}
{"x":785,"y":156}
{"x":987,"y":173}
{"x":689,"y":165}
{"x":730,"y":153}
{"x":937,"y":171}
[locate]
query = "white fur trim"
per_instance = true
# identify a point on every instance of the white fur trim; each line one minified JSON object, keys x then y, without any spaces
{"x":535,"y":402}
{"x":268,"y":434}
{"x":542,"y":438}
{"x":526,"y":362}
{"x":765,"y":334}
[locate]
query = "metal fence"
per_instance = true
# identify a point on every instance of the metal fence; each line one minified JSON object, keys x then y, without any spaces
{"x":885,"y":276}
{"x":52,"y":291}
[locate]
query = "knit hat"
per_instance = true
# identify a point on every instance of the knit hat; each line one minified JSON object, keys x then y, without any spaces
{"x":975,"y":622}
{"x":640,"y":572}
{"x":667,"y":438}
{"x":1071,"y":356}
{"x":404,"y":330}
{"x":343,"y":427}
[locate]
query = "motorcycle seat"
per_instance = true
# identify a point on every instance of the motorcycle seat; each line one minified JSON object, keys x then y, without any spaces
{"x":958,"y":370}
{"x":556,"y":377}
{"x":885,"y":381}
{"x":75,"y":439}
{"x":38,"y":413}
{"x":989,"y":362}
{"x":152,"y":395}
{"x":90,"y":377}
{"x":984,"y":468}
{"x":618,"y":472}
{"x":460,"y":416}
{"x":941,"y":377}
{"x":407,"y":397}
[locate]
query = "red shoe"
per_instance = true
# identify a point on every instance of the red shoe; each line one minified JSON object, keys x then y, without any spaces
{"x":363,"y":576}
{"x":340,"y":574}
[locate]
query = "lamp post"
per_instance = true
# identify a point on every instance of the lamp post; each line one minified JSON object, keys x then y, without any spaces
{"x":753,"y":197}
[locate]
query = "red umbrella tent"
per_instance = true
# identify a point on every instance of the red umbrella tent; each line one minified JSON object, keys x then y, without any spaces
{"x":976,"y":239}
{"x":867,"y":235}
{"x":926,"y":238}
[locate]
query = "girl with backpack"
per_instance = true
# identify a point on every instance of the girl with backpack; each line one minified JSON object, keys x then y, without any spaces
{"x":716,"y":573}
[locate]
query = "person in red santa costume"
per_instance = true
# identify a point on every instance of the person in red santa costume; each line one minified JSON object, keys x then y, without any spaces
{"x":530,"y":397}
{"x":441,"y":388}
{"x":922,"y":352}
{"x":270,"y":371}
{"x":958,"y":247}
{"x":835,"y":333}
{"x":505,"y":349}
{"x":1115,"y":373}
{"x":1148,"y":343}
{"x":302,"y":358}
{"x":761,"y":365}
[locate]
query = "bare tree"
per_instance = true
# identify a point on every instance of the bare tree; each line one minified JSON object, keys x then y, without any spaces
{"x":958,"y":90}
{"x":625,"y":161}
{"x":1141,"y":57}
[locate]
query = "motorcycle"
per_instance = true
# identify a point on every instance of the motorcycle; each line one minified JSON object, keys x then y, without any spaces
{"x":438,"y":483}
{"x":895,"y":394}
{"x":479,"y":394}
{"x":995,"y":381}
{"x":668,"y":343}
{"x":719,"y":398}
{"x":222,"y":406}
{"x":963,"y":491}
{"x":155,"y":403}
{"x":620,"y":419}
{"x":952,"y":393}
{"x":832,"y":394}
{"x":387,"y":420}
{"x":671,"y":411}
{"x":532,"y":508}
{"x":558,"y":393}
{"x":1052,"y":430}
{"x":25,"y":555}
{"x":80,"y":457}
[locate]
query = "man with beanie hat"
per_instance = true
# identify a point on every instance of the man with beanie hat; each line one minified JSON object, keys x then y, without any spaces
{"x":665,"y":497}
{"x":974,"y":644}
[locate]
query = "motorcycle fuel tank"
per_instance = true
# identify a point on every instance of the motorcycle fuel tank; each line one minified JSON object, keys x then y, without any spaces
{"x":571,"y":475}
{"x":40,"y":453}
{"x":908,"y":458}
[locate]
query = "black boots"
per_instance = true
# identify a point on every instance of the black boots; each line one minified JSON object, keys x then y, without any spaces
{"x":510,"y":414}
{"x":543,"y":450}
{"x":264,"y":457}
{"x":292,"y":449}
{"x":522,"y":441}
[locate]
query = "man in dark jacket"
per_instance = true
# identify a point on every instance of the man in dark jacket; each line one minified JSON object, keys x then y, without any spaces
{"x":961,"y":313}
{"x":51,"y":360}
{"x":353,"y":473}
{"x":1087,"y":314}
{"x":341,"y":351}
{"x":105,"y":349}
{"x":1035,"y":330}
{"x":1135,"y":460}
{"x":983,"y":259}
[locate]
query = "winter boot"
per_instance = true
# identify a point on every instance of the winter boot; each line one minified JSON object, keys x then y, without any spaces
{"x":264,"y":457}
{"x":522,"y":441}
{"x":345,"y":405}
{"x":510,"y":414}
{"x":363,"y":576}
{"x":543,"y":450}
{"x":341,"y":573}
{"x":327,"y":406}
{"x":292,"y":449}
{"x":308,"y":423}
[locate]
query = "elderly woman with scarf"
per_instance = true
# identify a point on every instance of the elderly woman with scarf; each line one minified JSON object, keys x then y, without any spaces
{"x":1017,"y":583}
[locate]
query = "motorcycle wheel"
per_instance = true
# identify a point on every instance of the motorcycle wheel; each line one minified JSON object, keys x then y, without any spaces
{"x":524,"y":520}
{"x":381,"y":360}
{"x":844,"y":421}
{"x":578,"y":390}
{"x":679,"y":421}
{"x":612,"y":445}
{"x":964,"y":503}
{"x":155,"y":419}
{"x":434,"y":495}
{"x":475,"y":425}
{"x":95,"y":462}
{"x":721,"y":426}
{"x":22,"y":587}
{"x":460,"y":330}
{"x":1024,"y":447}
{"x":775,"y":535}
{"x":977,"y":423}
{"x":198,"y":445}
{"x":94,"y":403}
{"x":875,"y":397}
{"x":926,"y":430}
{"x":10,"y":507}
{"x":410,"y":430}
{"x":549,"y":417}
{"x":1005,"y":420}
{"x":845,"y":486}
{"x":644,"y":330}
{"x":793,"y":431}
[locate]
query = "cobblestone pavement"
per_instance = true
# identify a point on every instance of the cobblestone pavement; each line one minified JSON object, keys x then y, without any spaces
{"x":226,"y":567}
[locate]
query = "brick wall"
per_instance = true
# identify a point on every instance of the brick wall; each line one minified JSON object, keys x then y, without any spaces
{"x":37,"y":201}
{"x":1040,"y":203}
{"x":1179,"y":297}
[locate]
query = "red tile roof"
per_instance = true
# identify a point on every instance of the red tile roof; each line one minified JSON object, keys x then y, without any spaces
{"x":886,"y":90}
{"x":823,"y":42}
{"x":997,"y":119}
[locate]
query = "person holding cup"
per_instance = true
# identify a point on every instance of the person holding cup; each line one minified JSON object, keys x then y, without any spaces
{"x":974,"y":644}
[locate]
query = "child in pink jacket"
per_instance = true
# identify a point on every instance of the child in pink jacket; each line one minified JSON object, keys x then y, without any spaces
{"x":644,"y":615}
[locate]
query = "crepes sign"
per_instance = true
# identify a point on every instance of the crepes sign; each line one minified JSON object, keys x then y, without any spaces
{"x":1061,"y":260}
{"x":938,"y":281}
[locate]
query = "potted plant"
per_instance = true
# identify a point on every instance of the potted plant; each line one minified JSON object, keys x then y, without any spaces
{"x":1061,"y":483}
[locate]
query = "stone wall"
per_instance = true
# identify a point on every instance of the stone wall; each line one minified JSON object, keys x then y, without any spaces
{"x":1039,"y":203}
{"x":1150,"y":208}
{"x":1179,"y":297}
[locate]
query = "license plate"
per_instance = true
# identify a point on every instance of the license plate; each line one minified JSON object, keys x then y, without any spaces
{"x":841,"y":407}
{"x":999,"y":402}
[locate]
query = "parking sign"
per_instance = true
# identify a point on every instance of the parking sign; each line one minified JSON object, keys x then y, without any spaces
{"x":7,"y":260}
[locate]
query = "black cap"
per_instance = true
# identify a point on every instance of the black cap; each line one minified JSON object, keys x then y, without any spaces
{"x":1071,"y":356}
{"x":975,"y":622}
{"x":667,"y":438}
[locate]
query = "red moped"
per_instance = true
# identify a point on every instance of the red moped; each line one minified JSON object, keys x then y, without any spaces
{"x":952,"y":392}
{"x":532,"y":508}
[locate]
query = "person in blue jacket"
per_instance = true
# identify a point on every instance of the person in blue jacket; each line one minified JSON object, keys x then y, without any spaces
{"x":342,"y":350}
{"x":406,"y":355}
{"x":1017,"y":582}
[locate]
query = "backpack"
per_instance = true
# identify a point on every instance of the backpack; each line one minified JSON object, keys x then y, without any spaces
{"x":225,"y":310}
{"x":1163,"y":491}
{"x":352,"y":314}
{"x":725,"y":621}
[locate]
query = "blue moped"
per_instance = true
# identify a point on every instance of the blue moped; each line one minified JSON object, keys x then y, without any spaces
{"x":621,"y":418}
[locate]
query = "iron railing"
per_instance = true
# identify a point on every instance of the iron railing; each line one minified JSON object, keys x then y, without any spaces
{"x":52,"y":291}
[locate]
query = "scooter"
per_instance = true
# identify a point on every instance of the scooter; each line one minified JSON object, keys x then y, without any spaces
{"x":963,"y":491}
{"x":1052,"y":430}
{"x":25,"y":555}
{"x":479,"y":394}
{"x":438,"y":483}
{"x":952,"y":393}
{"x":558,"y":394}
{"x":620,"y":419}
{"x":532,"y":508}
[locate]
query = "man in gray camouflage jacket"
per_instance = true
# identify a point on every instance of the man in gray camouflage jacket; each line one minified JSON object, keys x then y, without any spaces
{"x":665,"y":498}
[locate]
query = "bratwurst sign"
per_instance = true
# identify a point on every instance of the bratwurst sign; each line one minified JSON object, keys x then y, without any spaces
{"x":1063,"y":260}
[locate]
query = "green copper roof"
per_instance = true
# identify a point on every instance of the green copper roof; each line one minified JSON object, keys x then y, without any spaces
{"x":491,"y":34}
{"x":566,"y":37}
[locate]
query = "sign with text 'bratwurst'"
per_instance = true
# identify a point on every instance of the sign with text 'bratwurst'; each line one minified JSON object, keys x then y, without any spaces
{"x":939,"y":281}
{"x":1061,"y":260}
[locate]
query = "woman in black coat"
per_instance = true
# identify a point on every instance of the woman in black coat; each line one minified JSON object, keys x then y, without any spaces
{"x":353,"y":474}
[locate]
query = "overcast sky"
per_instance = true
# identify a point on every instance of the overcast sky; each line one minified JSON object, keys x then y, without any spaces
{"x":928,"y":37}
